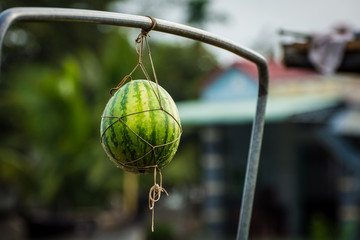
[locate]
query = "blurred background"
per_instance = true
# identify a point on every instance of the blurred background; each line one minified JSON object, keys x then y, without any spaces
{"x":56,"y":181}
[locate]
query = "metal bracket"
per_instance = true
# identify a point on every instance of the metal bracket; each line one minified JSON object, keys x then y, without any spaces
{"x":9,"y":16}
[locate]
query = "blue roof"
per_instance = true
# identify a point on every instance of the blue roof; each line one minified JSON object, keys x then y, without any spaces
{"x":231,"y":85}
{"x":243,"y":111}
{"x":232,"y":97}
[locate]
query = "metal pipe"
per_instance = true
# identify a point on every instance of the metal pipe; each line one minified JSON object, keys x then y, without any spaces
{"x":8,"y":17}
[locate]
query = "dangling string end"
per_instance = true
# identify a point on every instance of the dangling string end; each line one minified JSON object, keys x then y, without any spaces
{"x":155,"y":194}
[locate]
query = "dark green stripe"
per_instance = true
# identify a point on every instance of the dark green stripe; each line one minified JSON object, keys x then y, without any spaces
{"x":115,"y":109}
{"x":169,"y":122}
{"x":136,"y":93}
{"x":152,"y":136}
{"x":123,"y":95}
{"x":162,"y":151}
{"x":108,"y":150}
{"x":118,"y":136}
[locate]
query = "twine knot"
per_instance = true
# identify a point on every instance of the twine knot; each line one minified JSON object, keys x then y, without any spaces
{"x":155,"y":194}
{"x":145,"y":32}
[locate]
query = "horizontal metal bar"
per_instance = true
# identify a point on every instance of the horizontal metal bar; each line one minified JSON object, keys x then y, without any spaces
{"x":8,"y":17}
{"x":119,"y":19}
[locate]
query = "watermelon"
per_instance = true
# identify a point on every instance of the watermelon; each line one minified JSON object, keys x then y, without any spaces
{"x":140,"y":127}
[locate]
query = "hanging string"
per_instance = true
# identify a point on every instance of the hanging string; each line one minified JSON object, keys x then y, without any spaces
{"x":156,"y":189}
{"x":139,"y":50}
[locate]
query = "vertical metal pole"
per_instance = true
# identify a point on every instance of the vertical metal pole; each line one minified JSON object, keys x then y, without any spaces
{"x":12,"y":15}
{"x":253,"y":158}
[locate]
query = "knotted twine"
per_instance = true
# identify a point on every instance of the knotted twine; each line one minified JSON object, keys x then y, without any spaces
{"x":156,"y":189}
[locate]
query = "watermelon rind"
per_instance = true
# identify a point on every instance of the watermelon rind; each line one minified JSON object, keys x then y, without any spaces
{"x":140,"y":127}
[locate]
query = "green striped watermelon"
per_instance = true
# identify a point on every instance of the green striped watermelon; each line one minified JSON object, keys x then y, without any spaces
{"x":135,"y":133}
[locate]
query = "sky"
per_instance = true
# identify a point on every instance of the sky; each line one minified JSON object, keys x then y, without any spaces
{"x":253,"y":23}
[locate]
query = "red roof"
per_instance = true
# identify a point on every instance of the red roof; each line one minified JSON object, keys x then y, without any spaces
{"x":277,"y":71}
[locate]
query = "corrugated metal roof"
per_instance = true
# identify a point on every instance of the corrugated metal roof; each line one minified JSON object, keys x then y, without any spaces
{"x":291,"y":92}
{"x":243,"y":111}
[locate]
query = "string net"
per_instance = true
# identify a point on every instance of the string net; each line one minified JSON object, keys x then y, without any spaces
{"x":156,"y":189}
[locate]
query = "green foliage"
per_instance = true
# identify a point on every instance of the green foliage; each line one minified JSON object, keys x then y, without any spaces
{"x":164,"y":231}
{"x":349,"y":230}
{"x":28,"y":41}
{"x":197,"y":11}
{"x":57,"y":148}
{"x":320,"y":229}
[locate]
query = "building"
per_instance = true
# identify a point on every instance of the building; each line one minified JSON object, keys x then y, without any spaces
{"x":308,"y":167}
